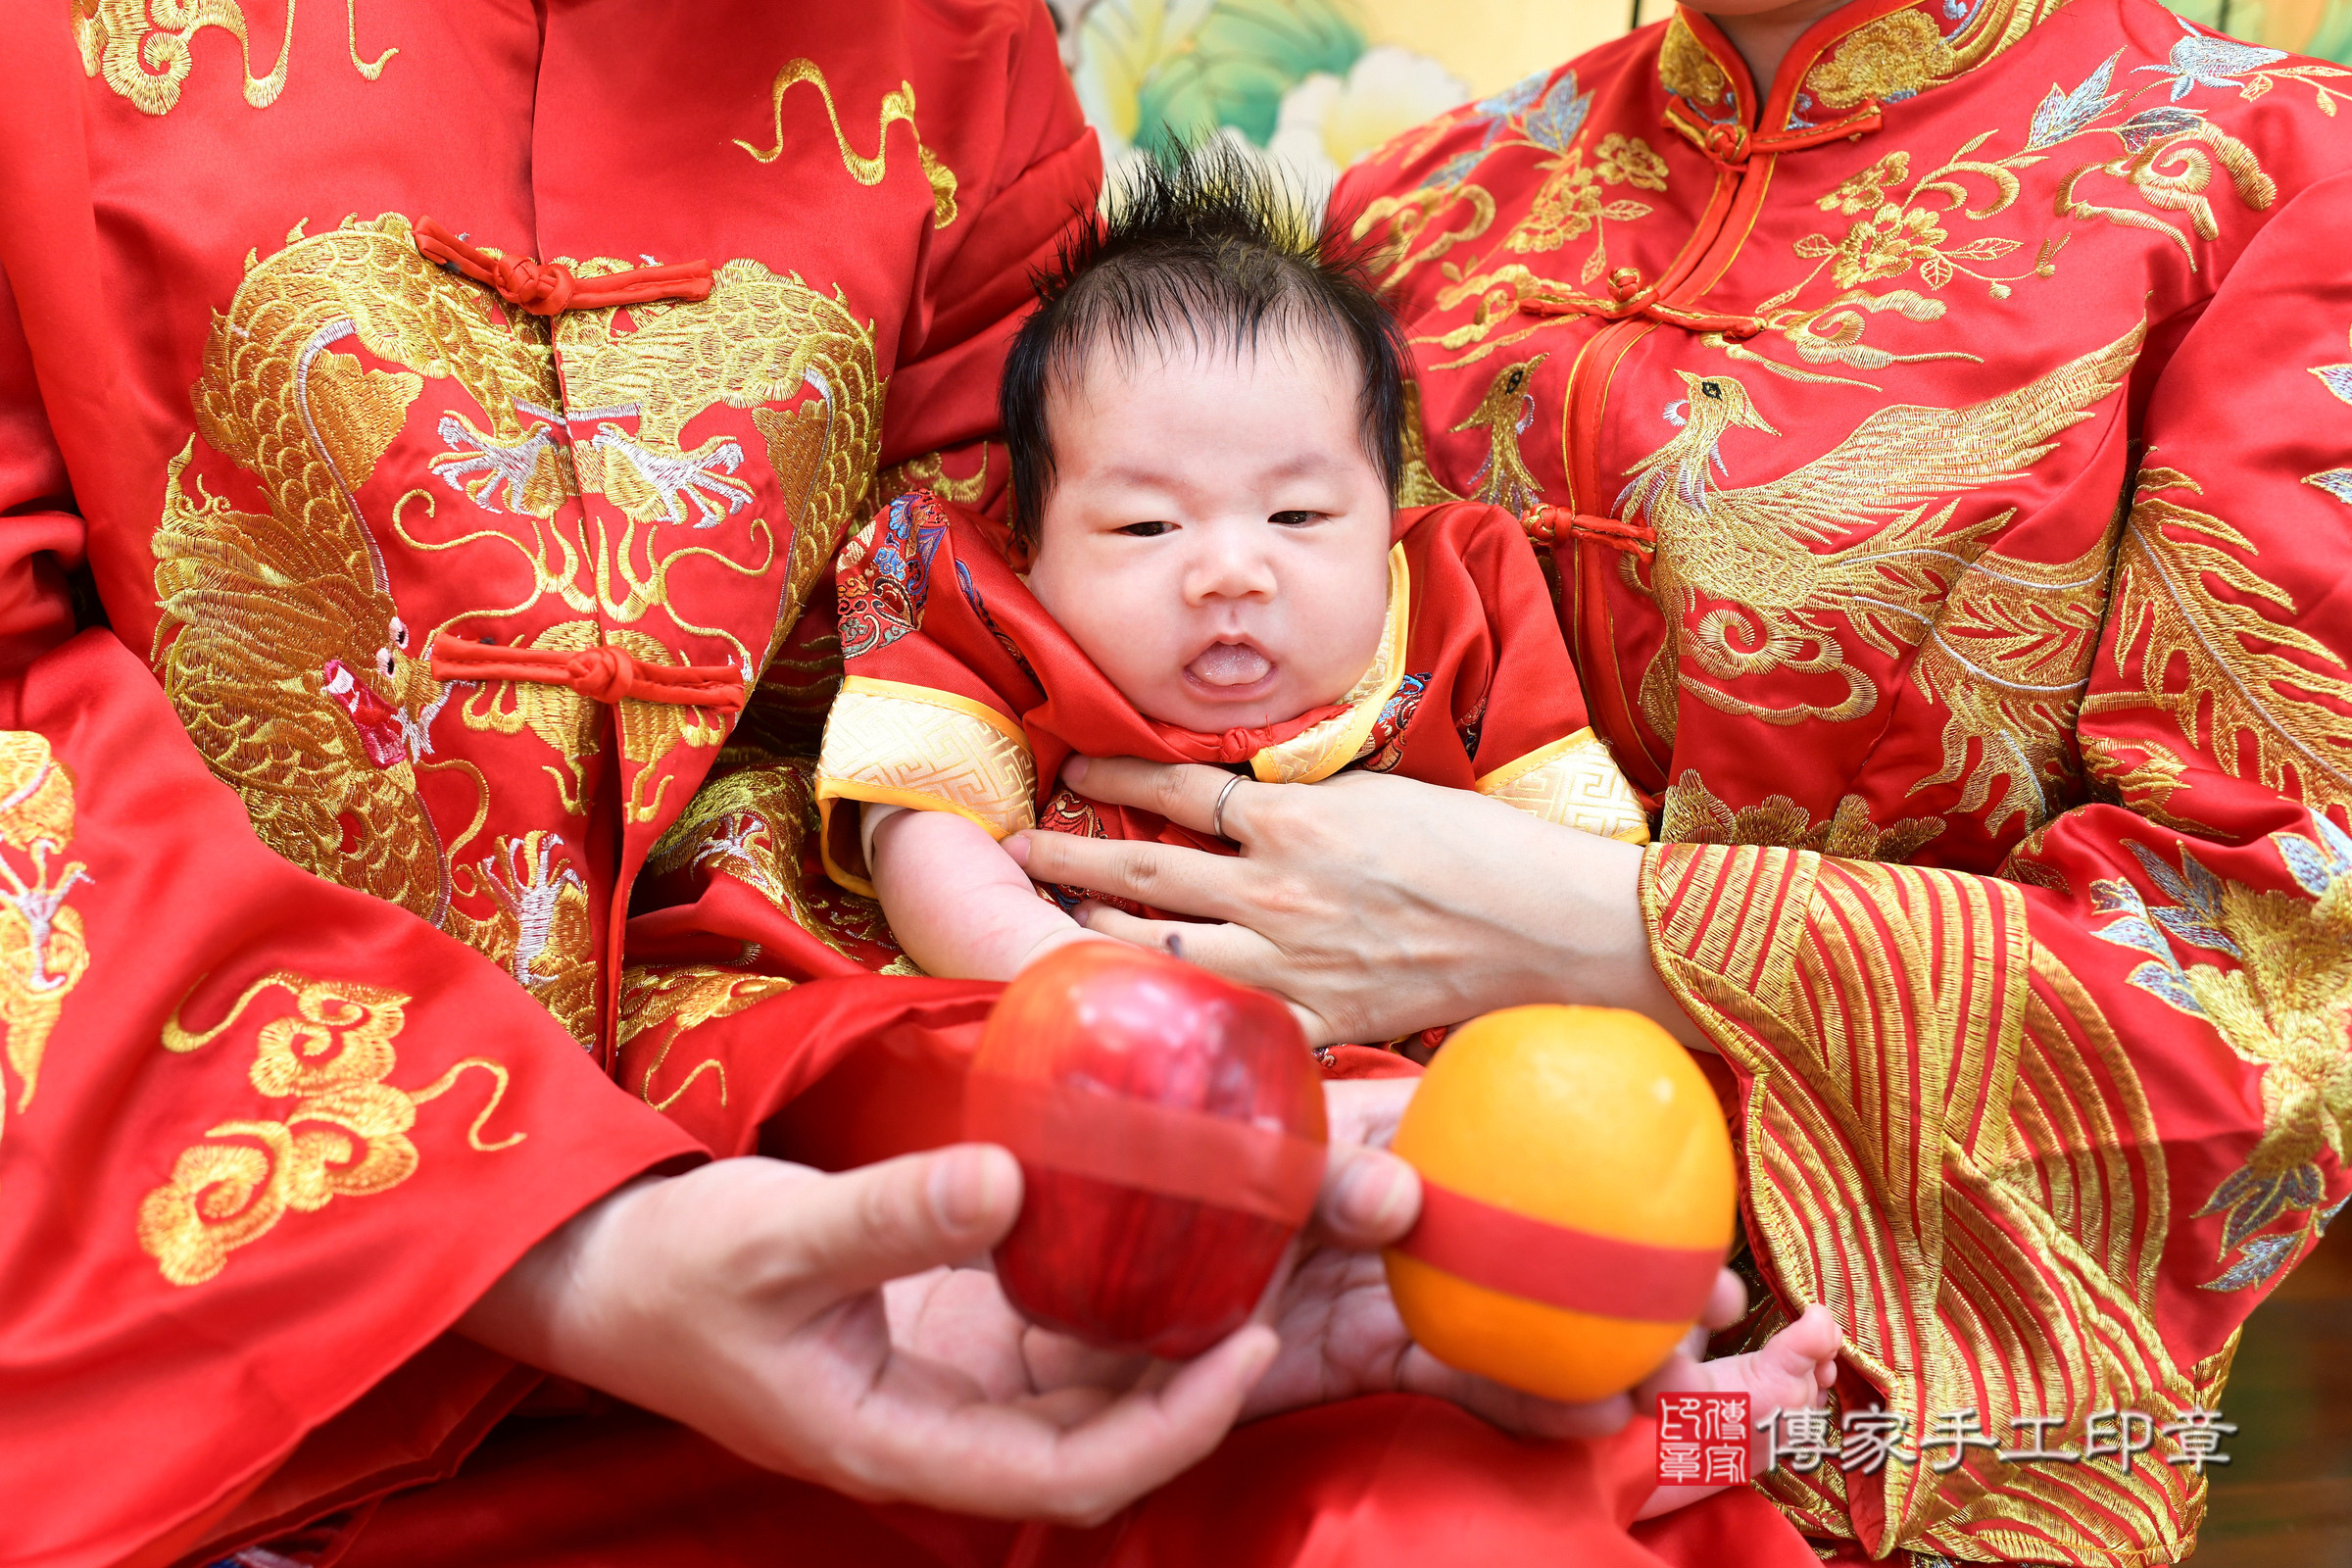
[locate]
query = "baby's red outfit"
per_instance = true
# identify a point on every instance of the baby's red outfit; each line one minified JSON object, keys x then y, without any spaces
{"x":964,"y":695}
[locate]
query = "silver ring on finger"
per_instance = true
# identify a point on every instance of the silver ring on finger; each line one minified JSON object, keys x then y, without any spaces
{"x":1216,"y":817}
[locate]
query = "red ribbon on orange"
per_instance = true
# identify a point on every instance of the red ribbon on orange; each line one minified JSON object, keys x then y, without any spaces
{"x":1559,"y":1266}
{"x":1151,"y":1148}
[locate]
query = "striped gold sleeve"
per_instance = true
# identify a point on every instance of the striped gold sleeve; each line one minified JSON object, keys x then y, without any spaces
{"x":1943,"y":1140}
{"x":899,"y":745}
{"x":1574,"y":782}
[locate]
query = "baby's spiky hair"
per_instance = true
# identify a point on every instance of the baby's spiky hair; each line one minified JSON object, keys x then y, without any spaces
{"x":1201,"y":245}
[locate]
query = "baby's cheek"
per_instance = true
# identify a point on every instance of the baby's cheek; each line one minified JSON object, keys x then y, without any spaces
{"x":1132,"y":638}
{"x":1091,"y":593}
{"x":1337,"y":634}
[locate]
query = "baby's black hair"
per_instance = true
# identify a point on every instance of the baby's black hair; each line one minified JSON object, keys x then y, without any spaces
{"x":1203,"y":242}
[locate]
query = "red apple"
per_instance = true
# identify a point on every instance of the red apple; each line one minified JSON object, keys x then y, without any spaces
{"x":1169,"y":1126}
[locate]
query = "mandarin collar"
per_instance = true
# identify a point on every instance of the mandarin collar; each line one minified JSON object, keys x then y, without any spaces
{"x":1865,"y":52}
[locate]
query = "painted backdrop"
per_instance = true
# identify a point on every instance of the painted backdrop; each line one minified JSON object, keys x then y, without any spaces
{"x":1318,"y":83}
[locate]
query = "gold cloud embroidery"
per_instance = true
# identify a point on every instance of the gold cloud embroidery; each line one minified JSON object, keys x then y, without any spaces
{"x":141,"y":47}
{"x":897,"y":105}
{"x":344,"y":1134}
{"x":688,"y":996}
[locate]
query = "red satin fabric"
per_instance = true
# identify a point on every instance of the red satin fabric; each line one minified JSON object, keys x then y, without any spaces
{"x":2038,"y":742}
{"x":1393,"y":1480}
{"x":306,"y":1393}
{"x":295,"y":1363}
{"x":1732,"y":146}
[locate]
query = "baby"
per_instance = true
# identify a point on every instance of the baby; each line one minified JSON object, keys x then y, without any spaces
{"x":1205,"y":565}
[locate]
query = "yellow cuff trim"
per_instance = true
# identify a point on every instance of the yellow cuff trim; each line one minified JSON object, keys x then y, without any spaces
{"x":934,"y":751}
{"x":1574,"y":782}
{"x":1315,"y":754}
{"x":860,"y":686}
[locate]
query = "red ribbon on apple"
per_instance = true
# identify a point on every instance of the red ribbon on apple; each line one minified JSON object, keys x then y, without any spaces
{"x":1169,"y":1126}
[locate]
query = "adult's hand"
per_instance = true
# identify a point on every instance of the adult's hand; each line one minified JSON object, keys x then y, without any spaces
{"x":818,"y":1325}
{"x":1340,"y":1334}
{"x":747,"y":1299}
{"x":1377,"y":906}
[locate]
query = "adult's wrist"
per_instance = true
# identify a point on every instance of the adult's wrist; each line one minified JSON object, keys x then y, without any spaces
{"x":533,"y":1313}
{"x":1600,"y":951}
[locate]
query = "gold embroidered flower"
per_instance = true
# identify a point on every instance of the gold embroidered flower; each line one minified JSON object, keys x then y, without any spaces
{"x":1630,"y":160}
{"x":1868,"y":189}
{"x":1886,"y":245}
{"x":1563,"y":209}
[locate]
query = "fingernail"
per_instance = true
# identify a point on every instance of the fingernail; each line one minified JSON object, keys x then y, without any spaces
{"x":1375,"y":1194}
{"x":1073,"y":771}
{"x":961,"y":1179}
{"x":1017,"y":847}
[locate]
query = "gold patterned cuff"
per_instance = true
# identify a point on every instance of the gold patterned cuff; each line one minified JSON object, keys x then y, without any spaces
{"x":1576,"y":783}
{"x":898,"y":744}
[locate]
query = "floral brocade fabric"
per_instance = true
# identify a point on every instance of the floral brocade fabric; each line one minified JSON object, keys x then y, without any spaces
{"x":1948,"y":449}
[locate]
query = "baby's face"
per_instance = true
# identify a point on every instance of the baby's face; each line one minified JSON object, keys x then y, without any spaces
{"x":1217,"y":540}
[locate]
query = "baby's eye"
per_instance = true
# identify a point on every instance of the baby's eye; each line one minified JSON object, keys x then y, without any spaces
{"x":1147,"y":530}
{"x":1293,"y":519}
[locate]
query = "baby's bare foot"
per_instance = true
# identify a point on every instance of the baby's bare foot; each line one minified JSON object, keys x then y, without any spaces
{"x":1790,"y":1372}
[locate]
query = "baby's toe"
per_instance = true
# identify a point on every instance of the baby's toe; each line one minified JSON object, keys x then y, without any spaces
{"x":1814,"y":1334}
{"x":1802,"y":1358}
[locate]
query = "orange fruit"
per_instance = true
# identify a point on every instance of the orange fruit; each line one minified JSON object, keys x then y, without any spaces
{"x":1578,"y":1200}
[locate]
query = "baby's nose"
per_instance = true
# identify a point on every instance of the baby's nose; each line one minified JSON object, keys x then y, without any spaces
{"x":1230,"y":569}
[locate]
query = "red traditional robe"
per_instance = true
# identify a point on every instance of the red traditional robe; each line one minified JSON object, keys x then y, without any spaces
{"x":320,"y":997}
{"x":1946,"y":452}
{"x":964,"y":695}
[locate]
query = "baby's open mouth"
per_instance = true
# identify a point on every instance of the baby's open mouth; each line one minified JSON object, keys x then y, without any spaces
{"x":1230,"y":665}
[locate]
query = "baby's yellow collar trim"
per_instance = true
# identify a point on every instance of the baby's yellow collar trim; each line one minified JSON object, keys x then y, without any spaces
{"x":1322,"y":750}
